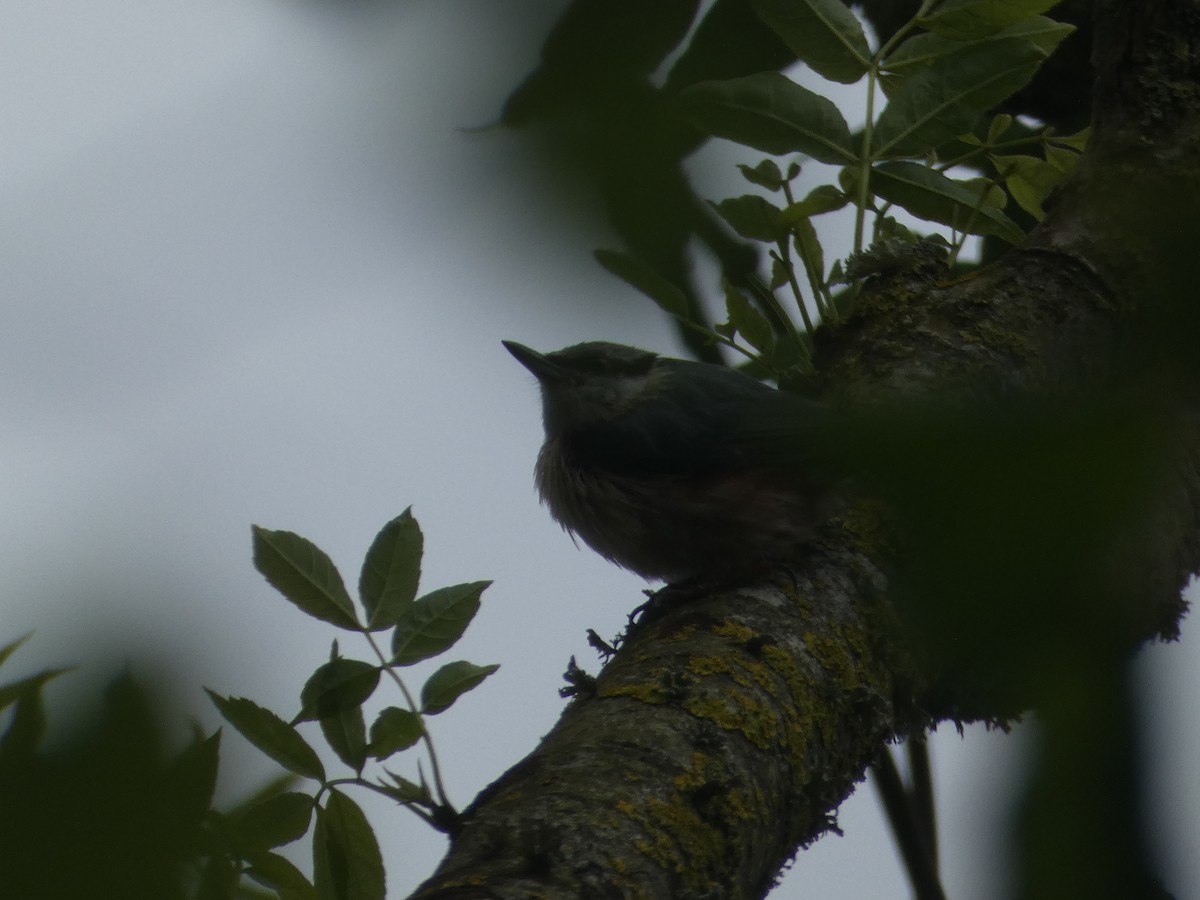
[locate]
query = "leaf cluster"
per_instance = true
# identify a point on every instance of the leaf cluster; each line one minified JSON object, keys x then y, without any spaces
{"x":931,"y":150}
{"x":347,"y":864}
{"x":105,"y":809}
{"x":109,"y":812}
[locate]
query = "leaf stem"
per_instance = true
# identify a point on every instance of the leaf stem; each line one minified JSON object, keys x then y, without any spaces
{"x":816,"y":284}
{"x":785,"y":261}
{"x":416,"y":710}
{"x":1014,"y":144}
{"x":890,"y":44}
{"x":795,"y":286}
{"x":979,"y":204}
{"x":718,"y":338}
{"x":865,"y":158}
{"x":380,"y":789}
{"x":767,"y":296}
{"x":864,"y":162}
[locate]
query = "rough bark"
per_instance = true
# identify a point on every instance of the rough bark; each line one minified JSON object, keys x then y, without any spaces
{"x":719,"y":737}
{"x":724,"y":733}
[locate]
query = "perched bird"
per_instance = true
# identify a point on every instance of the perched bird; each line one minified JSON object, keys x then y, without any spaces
{"x":676,"y":470}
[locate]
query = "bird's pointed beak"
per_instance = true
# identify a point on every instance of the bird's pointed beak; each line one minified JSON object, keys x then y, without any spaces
{"x":542,"y":368}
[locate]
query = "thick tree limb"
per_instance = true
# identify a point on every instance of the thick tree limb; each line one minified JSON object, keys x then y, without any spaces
{"x":719,"y":737}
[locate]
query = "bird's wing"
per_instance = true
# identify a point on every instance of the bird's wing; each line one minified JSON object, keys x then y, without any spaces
{"x":701,"y":419}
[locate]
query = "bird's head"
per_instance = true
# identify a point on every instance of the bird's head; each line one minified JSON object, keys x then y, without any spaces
{"x":586,"y":384}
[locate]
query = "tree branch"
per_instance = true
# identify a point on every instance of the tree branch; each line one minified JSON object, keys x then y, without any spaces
{"x":719,"y":738}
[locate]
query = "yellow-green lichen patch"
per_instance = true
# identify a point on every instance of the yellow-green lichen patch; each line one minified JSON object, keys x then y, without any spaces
{"x":737,"y":804}
{"x":735,"y":707}
{"x":676,"y":836}
{"x":672,"y":832}
{"x":997,"y":337}
{"x":711,"y":664}
{"x":619,"y":869}
{"x":734,"y":630}
{"x":805,"y":716}
{"x":744,"y":669}
{"x":700,"y":772}
{"x":681,"y":635}
{"x":653,"y":689}
{"x":835,"y":656}
{"x":847,"y":655}
{"x":791,"y":591}
{"x":730,"y":803}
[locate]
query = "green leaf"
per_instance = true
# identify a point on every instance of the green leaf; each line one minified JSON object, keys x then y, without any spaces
{"x":346,"y":734}
{"x":11,"y":693}
{"x":965,"y":20}
{"x":394,"y":730}
{"x":302,"y":572}
{"x":25,"y":730}
{"x":808,"y":245}
{"x":277,"y":785}
{"x":765,"y":174}
{"x":1043,"y":31}
{"x":924,"y":49}
{"x":1062,"y":158}
{"x":449,"y":683}
{"x":931,"y":195}
{"x":889,"y":230}
{"x":642,"y":277}
{"x":779,"y":274}
{"x":1078,"y":140}
{"x":273,"y":822}
{"x":836,"y":274}
{"x":8,"y":649}
{"x":270,"y":734}
{"x":993,"y":195}
{"x":821,"y":199}
{"x":822,"y":33}
{"x":347,"y":864}
{"x":391,"y":571}
{"x":405,"y":791}
{"x":278,"y":873}
{"x":1000,"y":124}
{"x":947,"y":99}
{"x":793,"y":355}
{"x":191,"y":779}
{"x":751,"y":216}
{"x":1030,"y":181}
{"x":336,"y":686}
{"x":749,"y":322}
{"x":769,"y":112}
{"x":435,"y":622}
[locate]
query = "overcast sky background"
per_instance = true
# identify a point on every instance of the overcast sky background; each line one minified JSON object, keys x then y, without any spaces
{"x":253,"y":271}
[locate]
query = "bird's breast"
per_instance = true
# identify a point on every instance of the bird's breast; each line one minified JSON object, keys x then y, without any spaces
{"x":677,"y":527}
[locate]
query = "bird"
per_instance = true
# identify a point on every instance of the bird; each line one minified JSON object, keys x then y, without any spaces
{"x":677,"y":470}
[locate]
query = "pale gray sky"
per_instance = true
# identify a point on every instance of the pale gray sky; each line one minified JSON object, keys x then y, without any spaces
{"x":254,"y":272}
